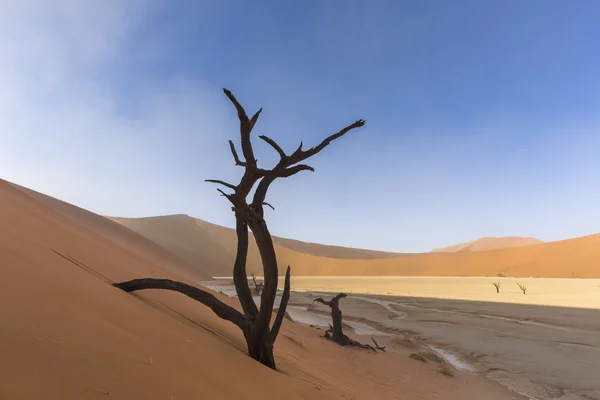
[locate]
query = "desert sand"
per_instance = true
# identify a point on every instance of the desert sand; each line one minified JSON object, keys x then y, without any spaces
{"x":213,"y":248}
{"x":526,"y":342}
{"x":489,"y":243}
{"x":66,"y":333}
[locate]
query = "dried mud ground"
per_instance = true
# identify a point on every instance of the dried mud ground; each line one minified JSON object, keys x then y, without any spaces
{"x":540,"y":351}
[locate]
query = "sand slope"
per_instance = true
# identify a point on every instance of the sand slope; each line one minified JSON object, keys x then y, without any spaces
{"x":489,"y":243}
{"x":212,"y":248}
{"x":66,"y":333}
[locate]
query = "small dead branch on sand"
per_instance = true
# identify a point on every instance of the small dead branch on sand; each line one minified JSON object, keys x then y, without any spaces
{"x":497,"y":286}
{"x":522,"y":287}
{"x":377,"y":346}
{"x":335,"y":333}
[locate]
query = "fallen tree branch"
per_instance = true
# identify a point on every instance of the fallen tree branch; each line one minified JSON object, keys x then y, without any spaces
{"x":377,"y":346}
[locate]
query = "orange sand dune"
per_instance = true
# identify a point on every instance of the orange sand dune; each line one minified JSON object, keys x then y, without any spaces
{"x":66,"y":333}
{"x":489,"y":243}
{"x":213,"y":250}
{"x":213,"y":247}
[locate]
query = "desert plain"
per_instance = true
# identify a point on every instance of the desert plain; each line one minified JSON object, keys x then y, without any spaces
{"x":543,"y":344}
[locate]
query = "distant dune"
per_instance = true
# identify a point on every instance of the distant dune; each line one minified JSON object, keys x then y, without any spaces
{"x":66,"y":333}
{"x":212,"y":248}
{"x":489,"y":243}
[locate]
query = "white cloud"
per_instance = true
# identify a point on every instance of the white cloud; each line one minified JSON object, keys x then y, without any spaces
{"x":65,"y":128}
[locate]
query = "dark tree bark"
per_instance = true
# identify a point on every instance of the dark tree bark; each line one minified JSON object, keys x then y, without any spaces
{"x":377,"y":346}
{"x":254,"y":321}
{"x":285,"y":297}
{"x":335,"y":332}
{"x":258,"y":286}
{"x":221,"y":309}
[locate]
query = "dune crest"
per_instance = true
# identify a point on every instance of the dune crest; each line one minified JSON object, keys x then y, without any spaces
{"x":489,"y":243}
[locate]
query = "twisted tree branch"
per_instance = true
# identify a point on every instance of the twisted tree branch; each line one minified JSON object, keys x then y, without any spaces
{"x":240,"y":110}
{"x":229,"y":185}
{"x":246,"y":126}
{"x":221,"y":309}
{"x":282,"y":306}
{"x":254,"y":119}
{"x":268,"y":205}
{"x":274,"y":145}
{"x":300,"y":155}
{"x":235,"y":155}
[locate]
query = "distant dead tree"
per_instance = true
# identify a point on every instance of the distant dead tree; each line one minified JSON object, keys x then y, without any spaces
{"x":497,"y":286}
{"x":254,"y":322}
{"x":335,"y":333}
{"x":522,"y":287}
{"x":258,"y":286}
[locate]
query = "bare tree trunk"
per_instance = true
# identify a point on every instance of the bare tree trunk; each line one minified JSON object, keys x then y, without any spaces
{"x":253,"y":322}
{"x":337,"y":333}
{"x":282,"y":306}
{"x":240,"y":279}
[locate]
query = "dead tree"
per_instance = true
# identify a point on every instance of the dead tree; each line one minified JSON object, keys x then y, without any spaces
{"x":258,"y":286}
{"x":522,"y":287}
{"x":497,"y":286}
{"x":335,"y":333}
{"x":254,"y":322}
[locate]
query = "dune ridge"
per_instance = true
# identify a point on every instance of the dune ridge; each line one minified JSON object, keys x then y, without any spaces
{"x":489,"y":243}
{"x":213,"y":247}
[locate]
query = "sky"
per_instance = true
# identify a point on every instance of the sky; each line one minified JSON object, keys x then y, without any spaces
{"x":483,"y":117}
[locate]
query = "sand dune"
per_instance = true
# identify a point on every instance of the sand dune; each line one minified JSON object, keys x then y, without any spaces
{"x":489,"y":243}
{"x":212,"y":248}
{"x":66,"y":333}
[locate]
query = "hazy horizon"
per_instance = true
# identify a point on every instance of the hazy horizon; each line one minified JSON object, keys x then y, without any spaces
{"x":482,"y":117}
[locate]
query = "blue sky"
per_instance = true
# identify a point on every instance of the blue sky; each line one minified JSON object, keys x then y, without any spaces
{"x":482,"y":116}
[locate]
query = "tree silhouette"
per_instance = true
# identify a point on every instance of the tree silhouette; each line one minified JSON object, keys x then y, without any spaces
{"x":497,"y":286}
{"x":254,"y":322}
{"x":335,"y":332}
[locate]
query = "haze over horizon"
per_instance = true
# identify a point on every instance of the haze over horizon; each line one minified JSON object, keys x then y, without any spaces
{"x":482,"y":118}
